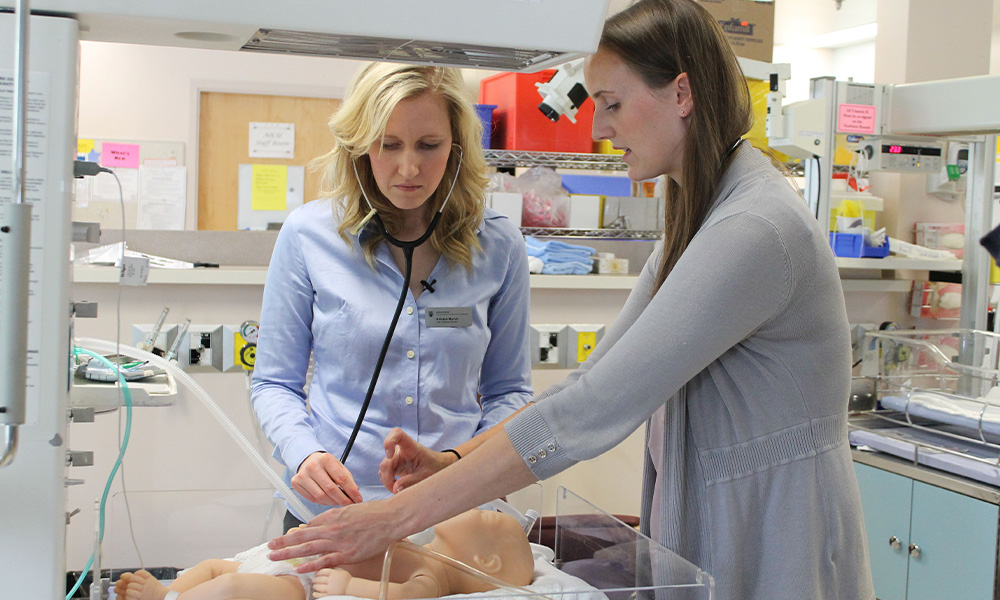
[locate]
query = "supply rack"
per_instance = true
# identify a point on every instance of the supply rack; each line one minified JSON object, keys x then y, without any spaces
{"x":509,"y":159}
{"x":939,"y":404}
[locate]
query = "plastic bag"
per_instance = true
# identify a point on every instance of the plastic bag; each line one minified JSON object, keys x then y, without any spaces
{"x":546,"y":203}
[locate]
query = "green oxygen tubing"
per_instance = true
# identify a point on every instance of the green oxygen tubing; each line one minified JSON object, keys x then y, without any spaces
{"x":91,"y":346}
{"x":118,"y":462}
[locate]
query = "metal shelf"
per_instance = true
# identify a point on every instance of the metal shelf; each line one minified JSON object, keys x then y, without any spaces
{"x":556,"y":160}
{"x":608,"y":234}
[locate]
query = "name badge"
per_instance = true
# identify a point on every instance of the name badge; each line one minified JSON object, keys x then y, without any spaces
{"x":441,"y":316}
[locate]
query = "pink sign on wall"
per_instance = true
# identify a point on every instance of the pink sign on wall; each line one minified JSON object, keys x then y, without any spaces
{"x":120,"y":155}
{"x":856,"y":118}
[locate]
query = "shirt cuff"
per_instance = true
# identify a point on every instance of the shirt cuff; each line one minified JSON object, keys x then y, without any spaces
{"x":531,"y":437}
{"x":297,"y":451}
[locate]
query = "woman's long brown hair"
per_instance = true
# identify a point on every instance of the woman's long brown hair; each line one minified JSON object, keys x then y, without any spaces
{"x":660,"y":39}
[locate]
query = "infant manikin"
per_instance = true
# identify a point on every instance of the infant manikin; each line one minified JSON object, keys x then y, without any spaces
{"x":490,"y":542}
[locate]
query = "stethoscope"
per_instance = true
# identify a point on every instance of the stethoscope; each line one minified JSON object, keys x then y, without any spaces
{"x":407,"y":248}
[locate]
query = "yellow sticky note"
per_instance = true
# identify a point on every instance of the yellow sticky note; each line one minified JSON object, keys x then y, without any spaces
{"x":84,"y":146}
{"x":269,"y":187}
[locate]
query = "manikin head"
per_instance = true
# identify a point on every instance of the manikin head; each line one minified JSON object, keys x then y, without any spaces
{"x":489,"y":541}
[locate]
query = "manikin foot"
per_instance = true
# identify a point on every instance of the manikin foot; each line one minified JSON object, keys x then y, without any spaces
{"x":330,"y":582}
{"x":140,"y":585}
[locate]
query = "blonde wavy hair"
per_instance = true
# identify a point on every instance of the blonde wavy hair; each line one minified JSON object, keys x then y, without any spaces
{"x":360,"y":122}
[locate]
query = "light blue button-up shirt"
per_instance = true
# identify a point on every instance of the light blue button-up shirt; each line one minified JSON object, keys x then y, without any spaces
{"x":321,"y":296}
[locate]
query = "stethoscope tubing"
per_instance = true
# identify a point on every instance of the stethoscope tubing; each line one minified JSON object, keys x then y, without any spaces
{"x":407,"y":248}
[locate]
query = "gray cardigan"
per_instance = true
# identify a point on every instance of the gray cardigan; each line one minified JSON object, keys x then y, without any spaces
{"x":746,"y":349}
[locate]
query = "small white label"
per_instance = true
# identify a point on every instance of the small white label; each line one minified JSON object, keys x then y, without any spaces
{"x":135,"y":270}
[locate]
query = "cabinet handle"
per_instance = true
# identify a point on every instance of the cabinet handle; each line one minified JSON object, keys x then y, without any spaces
{"x":894,"y":543}
{"x":914,"y":551}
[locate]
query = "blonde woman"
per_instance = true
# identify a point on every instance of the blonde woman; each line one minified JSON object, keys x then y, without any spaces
{"x":404,"y":196}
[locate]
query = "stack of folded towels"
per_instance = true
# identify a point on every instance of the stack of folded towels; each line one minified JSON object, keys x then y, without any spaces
{"x":558,"y":258}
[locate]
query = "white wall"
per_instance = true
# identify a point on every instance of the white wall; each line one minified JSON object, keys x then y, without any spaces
{"x":194,"y":494}
{"x":151,"y":93}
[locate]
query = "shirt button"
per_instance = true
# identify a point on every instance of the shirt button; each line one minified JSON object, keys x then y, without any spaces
{"x":410,"y":354}
{"x":409,"y":399}
{"x":532,"y":459}
{"x":552,"y":447}
{"x":541,"y":454}
{"x":409,"y":310}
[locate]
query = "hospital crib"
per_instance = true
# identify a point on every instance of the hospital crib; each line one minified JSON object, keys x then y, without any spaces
{"x":938,"y":403}
{"x":594,"y":555}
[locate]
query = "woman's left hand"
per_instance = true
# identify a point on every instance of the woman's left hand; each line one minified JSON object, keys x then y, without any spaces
{"x":340,"y":536}
{"x":408,"y":462}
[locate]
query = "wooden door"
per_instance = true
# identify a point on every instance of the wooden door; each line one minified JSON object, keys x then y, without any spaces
{"x":224,"y":138}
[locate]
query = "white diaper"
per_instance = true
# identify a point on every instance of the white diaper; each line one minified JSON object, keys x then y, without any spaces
{"x":255,"y":560}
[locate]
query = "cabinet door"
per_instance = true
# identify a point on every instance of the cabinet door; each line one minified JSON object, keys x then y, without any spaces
{"x":885,"y":498}
{"x":957,"y":539}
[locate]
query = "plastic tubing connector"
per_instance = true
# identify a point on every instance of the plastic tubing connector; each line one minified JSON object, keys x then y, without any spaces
{"x":184,"y":379}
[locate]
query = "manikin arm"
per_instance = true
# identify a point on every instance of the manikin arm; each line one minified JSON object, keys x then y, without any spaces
{"x":335,"y":582}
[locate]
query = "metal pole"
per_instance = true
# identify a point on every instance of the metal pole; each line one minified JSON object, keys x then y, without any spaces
{"x":20,"y":123}
{"x":16,"y":229}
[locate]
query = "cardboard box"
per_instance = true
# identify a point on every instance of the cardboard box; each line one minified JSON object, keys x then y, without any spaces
{"x":612,"y":266}
{"x":748,"y":24}
{"x":640,"y":214}
{"x":585,"y":211}
{"x":941,"y":236}
{"x":508,"y":204}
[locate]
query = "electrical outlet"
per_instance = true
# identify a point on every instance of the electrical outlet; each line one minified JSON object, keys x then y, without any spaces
{"x":548,"y":346}
{"x":581,"y":342}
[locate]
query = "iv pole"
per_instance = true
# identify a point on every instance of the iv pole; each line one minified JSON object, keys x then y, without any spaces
{"x":15,"y":236}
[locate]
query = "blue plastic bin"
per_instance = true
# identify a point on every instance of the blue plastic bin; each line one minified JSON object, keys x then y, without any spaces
{"x":597,"y":185}
{"x":852,"y":245}
{"x":485,"y":112}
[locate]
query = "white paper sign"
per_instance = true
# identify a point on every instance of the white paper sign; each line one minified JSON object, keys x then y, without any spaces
{"x":162,"y":197}
{"x":272,"y":140}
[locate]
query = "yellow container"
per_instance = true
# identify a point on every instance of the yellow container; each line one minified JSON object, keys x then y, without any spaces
{"x":604,"y":147}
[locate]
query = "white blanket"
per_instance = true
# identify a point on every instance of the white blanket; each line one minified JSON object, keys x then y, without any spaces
{"x":954,"y":411}
{"x":548,"y":580}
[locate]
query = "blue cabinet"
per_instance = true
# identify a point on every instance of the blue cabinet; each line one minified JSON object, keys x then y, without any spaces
{"x":927,"y":542}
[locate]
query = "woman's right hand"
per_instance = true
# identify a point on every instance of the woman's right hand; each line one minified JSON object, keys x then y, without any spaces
{"x":407,"y":462}
{"x":324,"y":480}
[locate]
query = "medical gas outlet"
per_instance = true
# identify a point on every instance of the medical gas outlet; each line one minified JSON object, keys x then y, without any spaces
{"x":240,"y":353}
{"x":196,"y":349}
{"x":548,"y":345}
{"x":563,"y":346}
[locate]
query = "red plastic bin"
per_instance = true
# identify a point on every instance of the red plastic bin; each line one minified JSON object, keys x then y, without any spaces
{"x":519,"y":125}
